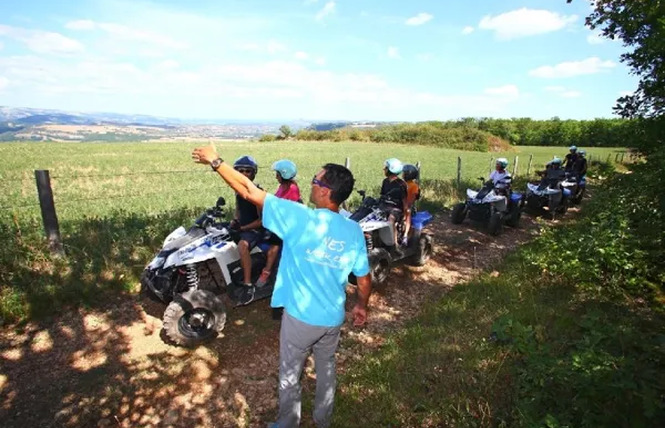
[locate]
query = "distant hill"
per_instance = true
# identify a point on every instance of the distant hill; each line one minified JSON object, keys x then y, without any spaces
{"x":56,"y":125}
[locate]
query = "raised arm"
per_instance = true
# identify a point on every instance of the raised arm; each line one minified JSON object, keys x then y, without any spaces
{"x":238,"y":182}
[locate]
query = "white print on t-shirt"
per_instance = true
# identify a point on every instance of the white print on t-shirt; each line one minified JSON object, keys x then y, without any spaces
{"x":334,"y":245}
{"x":325,"y":254}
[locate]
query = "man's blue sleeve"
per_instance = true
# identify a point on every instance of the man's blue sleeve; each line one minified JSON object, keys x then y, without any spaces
{"x":361,"y":266}
{"x":283,"y":217}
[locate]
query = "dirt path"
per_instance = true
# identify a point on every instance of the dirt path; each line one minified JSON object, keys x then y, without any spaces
{"x":112,"y":367}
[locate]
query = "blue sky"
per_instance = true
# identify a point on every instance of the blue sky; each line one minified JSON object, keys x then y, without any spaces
{"x":310,"y":59}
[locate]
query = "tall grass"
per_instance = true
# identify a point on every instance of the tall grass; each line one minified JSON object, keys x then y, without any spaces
{"x":570,"y":333}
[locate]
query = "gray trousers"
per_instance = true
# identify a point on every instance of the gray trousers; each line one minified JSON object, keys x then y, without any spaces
{"x":296,"y":340}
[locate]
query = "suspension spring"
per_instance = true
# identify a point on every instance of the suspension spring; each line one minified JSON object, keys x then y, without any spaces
{"x":369,"y":241}
{"x":192,"y":277}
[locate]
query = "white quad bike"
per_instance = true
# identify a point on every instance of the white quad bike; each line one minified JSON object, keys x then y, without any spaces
{"x":191,"y":271}
{"x":373,"y":219}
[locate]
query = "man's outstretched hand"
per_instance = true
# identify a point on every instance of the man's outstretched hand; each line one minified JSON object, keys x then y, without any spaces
{"x":359,"y":314}
{"x":204,"y":155}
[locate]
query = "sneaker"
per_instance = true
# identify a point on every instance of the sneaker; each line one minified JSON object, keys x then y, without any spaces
{"x":247,"y":295}
{"x":263,"y":279}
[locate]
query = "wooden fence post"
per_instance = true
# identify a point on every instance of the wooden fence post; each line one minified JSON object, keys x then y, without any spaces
{"x":459,"y":171}
{"x":616,"y":158}
{"x":491,"y":165}
{"x":516,"y":162}
{"x":49,"y":216}
{"x":622,"y":156}
{"x":347,"y":163}
{"x":609,"y":157}
{"x":528,"y":168}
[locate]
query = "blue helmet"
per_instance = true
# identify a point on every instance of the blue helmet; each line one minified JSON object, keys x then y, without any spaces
{"x":502,"y":161}
{"x":393,"y":165}
{"x":582,"y":152}
{"x":573,"y":149}
{"x":555,"y":161}
{"x":246,"y":162}
{"x":285,"y":168}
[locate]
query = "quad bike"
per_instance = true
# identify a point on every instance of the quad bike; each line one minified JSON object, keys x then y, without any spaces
{"x":372,"y":216}
{"x":488,"y":205}
{"x":551,"y":195}
{"x":576,"y":186}
{"x":191,"y":271}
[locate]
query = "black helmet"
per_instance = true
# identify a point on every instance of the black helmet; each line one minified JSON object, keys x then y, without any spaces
{"x":246,"y":162}
{"x":410,"y":172}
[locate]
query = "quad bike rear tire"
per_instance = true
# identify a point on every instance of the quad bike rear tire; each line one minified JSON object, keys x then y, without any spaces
{"x":514,"y":215}
{"x":495,"y":226}
{"x":458,"y":214}
{"x":423,"y":251}
{"x":194,"y":317}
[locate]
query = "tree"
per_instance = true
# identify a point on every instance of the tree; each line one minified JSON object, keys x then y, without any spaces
{"x":285,"y":132}
{"x":640,"y":25}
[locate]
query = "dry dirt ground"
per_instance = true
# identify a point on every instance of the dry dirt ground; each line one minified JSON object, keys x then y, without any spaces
{"x":112,"y":367}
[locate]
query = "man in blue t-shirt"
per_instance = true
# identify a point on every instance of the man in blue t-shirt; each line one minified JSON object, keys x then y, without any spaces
{"x":321,"y":248}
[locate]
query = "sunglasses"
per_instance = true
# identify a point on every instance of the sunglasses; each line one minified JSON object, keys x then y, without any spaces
{"x":245,"y":170}
{"x":317,"y":182}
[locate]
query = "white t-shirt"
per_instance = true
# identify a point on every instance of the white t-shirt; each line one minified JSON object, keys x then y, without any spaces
{"x":503,"y":177}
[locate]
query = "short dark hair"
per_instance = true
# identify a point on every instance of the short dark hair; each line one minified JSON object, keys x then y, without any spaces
{"x":340,"y":180}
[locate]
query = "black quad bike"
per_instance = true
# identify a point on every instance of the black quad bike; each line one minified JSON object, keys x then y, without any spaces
{"x":491,"y":205}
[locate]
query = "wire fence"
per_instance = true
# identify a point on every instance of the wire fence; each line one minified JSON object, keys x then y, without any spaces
{"x":519,"y":166}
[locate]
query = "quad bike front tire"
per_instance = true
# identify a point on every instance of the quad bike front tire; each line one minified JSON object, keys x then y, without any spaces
{"x":495,"y":226}
{"x":194,"y":317}
{"x":379,"y":265}
{"x":458,"y":214}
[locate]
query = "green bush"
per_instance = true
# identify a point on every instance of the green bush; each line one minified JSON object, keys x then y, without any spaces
{"x":268,"y":137}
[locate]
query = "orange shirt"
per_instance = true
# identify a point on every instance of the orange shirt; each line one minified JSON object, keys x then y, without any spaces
{"x":412,"y":191}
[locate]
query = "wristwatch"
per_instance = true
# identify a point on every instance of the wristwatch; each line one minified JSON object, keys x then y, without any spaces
{"x":216,"y":163}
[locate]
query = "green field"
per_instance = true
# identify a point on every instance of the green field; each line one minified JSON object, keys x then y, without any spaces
{"x":117,"y":201}
{"x":96,"y":179}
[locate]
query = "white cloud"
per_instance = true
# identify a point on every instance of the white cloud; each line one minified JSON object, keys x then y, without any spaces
{"x":555,"y":88}
{"x":590,"y":65}
{"x":301,"y":55}
{"x":393,"y":52}
{"x":467,"y":30}
{"x":43,"y":42}
{"x":169,"y":64}
{"x":320,"y":61}
{"x":274,"y":47}
{"x":125,"y":33}
{"x":4,"y":82}
{"x":595,"y":39}
{"x":525,"y":22}
{"x":571,"y":94}
{"x":81,"y":24}
{"x":1,"y":45}
{"x":427,"y":56}
{"x":328,"y":9}
{"x":235,"y":90}
{"x":419,"y":19}
{"x":510,"y":91}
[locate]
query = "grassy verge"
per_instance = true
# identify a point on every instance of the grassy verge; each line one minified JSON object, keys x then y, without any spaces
{"x":570,"y":333}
